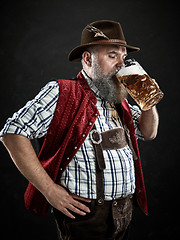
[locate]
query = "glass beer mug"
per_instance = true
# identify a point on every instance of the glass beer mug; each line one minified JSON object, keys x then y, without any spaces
{"x":141,"y":87}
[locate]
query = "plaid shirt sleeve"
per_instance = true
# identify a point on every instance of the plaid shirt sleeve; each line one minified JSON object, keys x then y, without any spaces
{"x":33,"y":120}
{"x":136,"y":112}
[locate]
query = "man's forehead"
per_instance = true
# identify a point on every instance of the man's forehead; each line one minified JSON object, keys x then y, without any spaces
{"x":113,"y":48}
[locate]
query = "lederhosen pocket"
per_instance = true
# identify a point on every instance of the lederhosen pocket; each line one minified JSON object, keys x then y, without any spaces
{"x":122,"y":210}
{"x":68,"y":227}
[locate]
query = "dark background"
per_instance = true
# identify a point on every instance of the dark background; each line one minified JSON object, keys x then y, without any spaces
{"x":36,"y":37}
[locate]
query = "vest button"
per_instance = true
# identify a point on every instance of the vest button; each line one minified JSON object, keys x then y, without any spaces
{"x":67,"y":158}
{"x":83,"y":135}
{"x":90,"y":123}
{"x":75,"y":147}
{"x":95,"y":114}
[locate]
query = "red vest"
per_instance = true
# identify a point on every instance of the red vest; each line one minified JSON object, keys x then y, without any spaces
{"x":73,"y":119}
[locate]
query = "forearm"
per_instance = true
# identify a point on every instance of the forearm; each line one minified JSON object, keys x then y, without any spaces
{"x":148,"y":123}
{"x":25,"y":158}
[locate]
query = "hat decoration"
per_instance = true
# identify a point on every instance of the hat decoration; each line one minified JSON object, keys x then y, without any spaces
{"x":103,"y":32}
{"x":98,"y":32}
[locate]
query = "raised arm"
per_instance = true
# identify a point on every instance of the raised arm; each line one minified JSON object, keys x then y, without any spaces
{"x":148,"y":123}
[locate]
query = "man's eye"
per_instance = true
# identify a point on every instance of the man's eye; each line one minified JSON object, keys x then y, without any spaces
{"x":112,"y":56}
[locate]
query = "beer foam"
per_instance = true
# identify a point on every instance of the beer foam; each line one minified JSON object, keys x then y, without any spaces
{"x":131,"y":70}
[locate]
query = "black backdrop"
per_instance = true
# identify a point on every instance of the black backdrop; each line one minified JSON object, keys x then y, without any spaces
{"x":36,"y":37}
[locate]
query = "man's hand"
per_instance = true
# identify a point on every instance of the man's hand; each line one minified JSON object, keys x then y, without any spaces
{"x":59,"y":198}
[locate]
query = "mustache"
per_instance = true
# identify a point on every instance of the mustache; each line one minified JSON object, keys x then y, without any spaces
{"x":114,"y":72}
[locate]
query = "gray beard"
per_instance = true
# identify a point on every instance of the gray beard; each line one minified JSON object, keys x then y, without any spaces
{"x":111,"y":90}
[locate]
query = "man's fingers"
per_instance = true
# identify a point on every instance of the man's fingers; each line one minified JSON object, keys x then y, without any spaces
{"x":64,"y":201}
{"x":81,"y":206}
{"x":80,"y":198}
{"x":76,"y":210}
{"x":67,"y":213}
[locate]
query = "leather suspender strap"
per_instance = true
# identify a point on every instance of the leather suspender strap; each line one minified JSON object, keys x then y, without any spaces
{"x":100,"y":166}
{"x":97,"y":142}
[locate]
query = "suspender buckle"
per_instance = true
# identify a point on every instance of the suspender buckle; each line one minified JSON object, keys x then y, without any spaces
{"x":95,"y":136}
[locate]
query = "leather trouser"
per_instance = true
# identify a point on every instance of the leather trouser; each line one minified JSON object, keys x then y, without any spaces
{"x":107,"y":221}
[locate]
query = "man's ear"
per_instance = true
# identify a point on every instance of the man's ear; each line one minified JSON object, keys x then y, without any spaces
{"x":87,"y":58}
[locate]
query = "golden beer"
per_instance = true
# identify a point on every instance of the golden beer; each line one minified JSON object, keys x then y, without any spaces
{"x":141,"y":87}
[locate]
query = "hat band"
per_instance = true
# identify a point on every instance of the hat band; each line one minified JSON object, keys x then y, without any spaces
{"x":110,"y":41}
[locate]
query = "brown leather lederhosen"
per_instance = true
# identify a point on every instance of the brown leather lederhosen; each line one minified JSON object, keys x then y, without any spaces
{"x":107,"y":220}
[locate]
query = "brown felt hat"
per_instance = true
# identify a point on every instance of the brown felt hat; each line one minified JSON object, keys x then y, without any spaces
{"x":100,"y":33}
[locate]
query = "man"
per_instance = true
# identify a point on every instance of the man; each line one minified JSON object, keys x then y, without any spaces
{"x":87,"y":172}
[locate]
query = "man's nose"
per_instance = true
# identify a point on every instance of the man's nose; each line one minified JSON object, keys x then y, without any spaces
{"x":120,"y":62}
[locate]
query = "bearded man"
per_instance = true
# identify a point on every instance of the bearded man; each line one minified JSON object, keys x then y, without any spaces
{"x":88,"y":169}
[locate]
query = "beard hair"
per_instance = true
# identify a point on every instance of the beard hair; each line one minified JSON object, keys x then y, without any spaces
{"x":111,"y":90}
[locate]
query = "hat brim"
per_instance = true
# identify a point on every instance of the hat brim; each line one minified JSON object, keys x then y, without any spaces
{"x":76,"y":54}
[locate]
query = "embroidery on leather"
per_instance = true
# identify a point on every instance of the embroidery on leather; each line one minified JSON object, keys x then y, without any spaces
{"x":117,"y":138}
{"x":113,"y":139}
